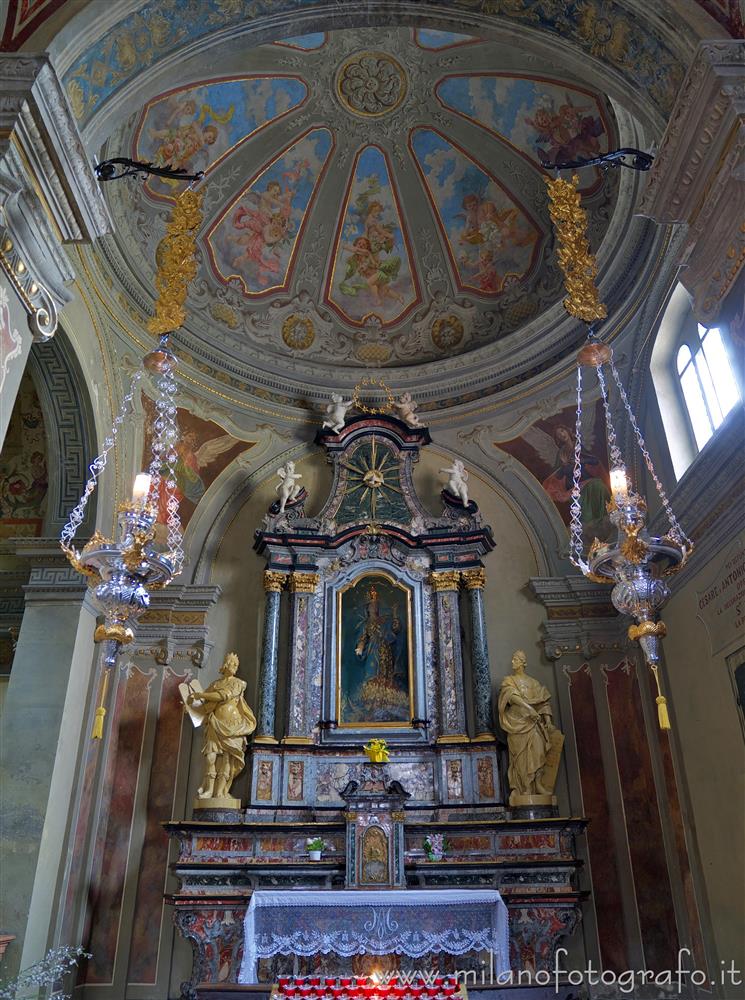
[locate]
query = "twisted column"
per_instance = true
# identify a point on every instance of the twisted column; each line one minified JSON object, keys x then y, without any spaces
{"x":273,"y":585}
{"x":445,"y":584}
{"x":475,"y":581}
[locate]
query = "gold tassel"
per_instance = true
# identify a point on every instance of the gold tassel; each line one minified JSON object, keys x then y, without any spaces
{"x":97,"y":732}
{"x":662,"y":714}
{"x":663,"y":717}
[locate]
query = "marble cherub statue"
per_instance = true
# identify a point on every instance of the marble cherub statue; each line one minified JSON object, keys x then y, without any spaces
{"x":337,"y":412}
{"x":288,"y":486}
{"x":228,"y":722}
{"x":406,"y":410}
{"x":458,"y":481}
{"x":533,"y":740}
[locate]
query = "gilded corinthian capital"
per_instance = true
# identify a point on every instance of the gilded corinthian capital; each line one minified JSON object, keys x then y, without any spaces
{"x":444,"y":579}
{"x":474,"y":579}
{"x":274,"y":581}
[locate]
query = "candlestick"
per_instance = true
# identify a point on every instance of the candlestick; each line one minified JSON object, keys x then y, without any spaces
{"x":619,"y":484}
{"x":141,"y":488}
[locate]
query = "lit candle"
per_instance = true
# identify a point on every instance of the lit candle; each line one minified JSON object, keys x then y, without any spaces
{"x":141,"y":488}
{"x":619,"y":484}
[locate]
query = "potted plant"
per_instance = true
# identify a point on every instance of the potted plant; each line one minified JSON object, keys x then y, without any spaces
{"x":435,"y":846}
{"x":314,"y":847}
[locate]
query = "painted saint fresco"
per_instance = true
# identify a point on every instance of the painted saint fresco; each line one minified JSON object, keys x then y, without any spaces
{"x":430,"y":38}
{"x":253,"y":242}
{"x":372,"y":272}
{"x":546,"y":449}
{"x":491,"y":240}
{"x":309,"y":42}
{"x":23,"y":467}
{"x":204,"y":450}
{"x":546,"y":121}
{"x":197,"y":126}
{"x":374,"y":652}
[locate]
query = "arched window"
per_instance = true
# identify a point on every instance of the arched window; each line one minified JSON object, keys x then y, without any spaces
{"x":694,"y":380}
{"x":708,"y":383}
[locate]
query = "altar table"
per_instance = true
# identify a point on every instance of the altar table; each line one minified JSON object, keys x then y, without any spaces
{"x":412,"y":922}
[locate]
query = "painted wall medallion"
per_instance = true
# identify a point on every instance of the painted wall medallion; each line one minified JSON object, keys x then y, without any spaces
{"x":545,"y":120}
{"x":374,"y":652}
{"x":198,"y":126}
{"x":492,"y":241}
{"x":253,"y":243}
{"x":298,"y":332}
{"x":372,"y":273}
{"x":447,"y":332}
{"x":371,"y":84}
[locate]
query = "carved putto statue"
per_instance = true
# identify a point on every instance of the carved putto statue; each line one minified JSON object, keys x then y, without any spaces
{"x":457,"y":483}
{"x":406,"y":407}
{"x":228,"y":722}
{"x":534,"y":742}
{"x":288,"y":486}
{"x":337,"y":412}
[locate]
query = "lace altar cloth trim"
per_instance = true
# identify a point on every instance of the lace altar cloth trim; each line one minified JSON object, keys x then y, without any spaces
{"x":412,"y":922}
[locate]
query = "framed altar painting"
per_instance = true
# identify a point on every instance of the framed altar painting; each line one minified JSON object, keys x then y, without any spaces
{"x":374,"y":652}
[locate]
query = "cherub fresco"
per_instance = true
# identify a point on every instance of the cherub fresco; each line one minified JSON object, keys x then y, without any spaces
{"x":492,"y":241}
{"x":195,"y":127}
{"x":566,"y":133}
{"x":372,"y":274}
{"x":253,"y":242}
{"x":545,"y":120}
{"x":262,"y":226}
{"x":546,"y":449}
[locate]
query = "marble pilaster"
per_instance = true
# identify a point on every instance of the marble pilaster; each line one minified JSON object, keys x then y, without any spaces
{"x":452,"y":721}
{"x":475,"y":581}
{"x":44,"y":721}
{"x":303,"y":607}
{"x":274,"y":583}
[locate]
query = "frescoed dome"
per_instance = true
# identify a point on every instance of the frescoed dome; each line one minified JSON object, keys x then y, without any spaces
{"x":373,"y":198}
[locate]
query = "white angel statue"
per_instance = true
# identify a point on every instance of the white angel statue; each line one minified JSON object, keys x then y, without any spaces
{"x":458,"y":480}
{"x":337,"y":412}
{"x":556,"y":450}
{"x":288,"y":486}
{"x":406,"y":407}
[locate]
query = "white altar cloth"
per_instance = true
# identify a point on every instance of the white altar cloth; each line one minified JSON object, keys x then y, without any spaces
{"x":413,"y":922}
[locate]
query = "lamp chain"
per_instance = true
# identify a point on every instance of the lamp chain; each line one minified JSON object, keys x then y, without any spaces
{"x":163,"y":464}
{"x":614,"y":451}
{"x":98,"y":465}
{"x":575,"y":510}
{"x":676,"y":530}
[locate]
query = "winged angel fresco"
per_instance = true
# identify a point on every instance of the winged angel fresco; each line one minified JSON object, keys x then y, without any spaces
{"x":192,"y":460}
{"x":555,"y":449}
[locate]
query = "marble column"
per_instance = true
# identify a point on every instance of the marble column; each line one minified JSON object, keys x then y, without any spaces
{"x":44,"y":723}
{"x":302,"y":587}
{"x":49,"y":196}
{"x":475,"y":581}
{"x":445,"y":584}
{"x":274,"y":583}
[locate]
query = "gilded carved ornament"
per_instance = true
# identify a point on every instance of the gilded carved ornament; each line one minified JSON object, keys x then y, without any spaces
{"x":175,"y":258}
{"x":474,"y":579}
{"x":303,"y":583}
{"x":274,"y":581}
{"x":575,"y":259}
{"x":446,"y":579}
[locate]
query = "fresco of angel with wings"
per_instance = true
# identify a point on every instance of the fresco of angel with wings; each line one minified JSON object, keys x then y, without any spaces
{"x":546,"y":449}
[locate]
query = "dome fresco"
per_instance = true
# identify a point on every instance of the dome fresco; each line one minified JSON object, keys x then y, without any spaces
{"x":372,"y":196}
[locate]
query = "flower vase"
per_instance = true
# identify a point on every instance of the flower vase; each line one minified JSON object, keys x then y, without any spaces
{"x":315,"y":855}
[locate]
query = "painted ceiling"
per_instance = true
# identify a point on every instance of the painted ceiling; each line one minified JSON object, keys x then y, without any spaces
{"x":373,"y":197}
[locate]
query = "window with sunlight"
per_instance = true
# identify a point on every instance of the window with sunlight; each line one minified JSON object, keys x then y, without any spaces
{"x":708,"y":383}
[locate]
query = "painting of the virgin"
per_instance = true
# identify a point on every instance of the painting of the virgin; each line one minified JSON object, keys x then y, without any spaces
{"x":374,"y":652}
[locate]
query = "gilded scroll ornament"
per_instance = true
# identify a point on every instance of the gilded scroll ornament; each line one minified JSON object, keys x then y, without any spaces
{"x":176,"y":262}
{"x":577,"y":262}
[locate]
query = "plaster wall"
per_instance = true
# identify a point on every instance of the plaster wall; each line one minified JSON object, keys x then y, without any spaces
{"x":706,"y":723}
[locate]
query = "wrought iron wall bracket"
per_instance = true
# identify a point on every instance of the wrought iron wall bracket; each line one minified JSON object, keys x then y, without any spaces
{"x":634,"y":159}
{"x":122,"y":166}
